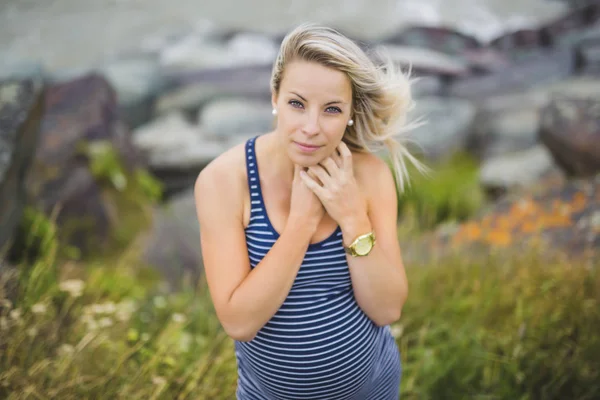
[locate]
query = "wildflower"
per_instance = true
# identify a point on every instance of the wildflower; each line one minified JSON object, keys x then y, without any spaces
{"x":39,"y":308}
{"x":397,"y":331}
{"x":72,"y":286}
{"x":159,"y":380}
{"x":178,"y":318}
{"x":31,"y":332}
{"x":6,"y":303}
{"x":105,"y":322}
{"x":66,"y":349}
{"x":15,"y":314}
{"x":160,"y":302}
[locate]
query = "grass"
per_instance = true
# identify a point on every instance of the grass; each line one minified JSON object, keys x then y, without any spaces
{"x":505,"y":328}
{"x":512,"y":326}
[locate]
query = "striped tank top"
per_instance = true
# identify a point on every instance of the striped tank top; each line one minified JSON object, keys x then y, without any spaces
{"x":319,"y":344}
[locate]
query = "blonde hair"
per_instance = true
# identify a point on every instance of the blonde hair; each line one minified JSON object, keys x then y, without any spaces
{"x":381,"y":93}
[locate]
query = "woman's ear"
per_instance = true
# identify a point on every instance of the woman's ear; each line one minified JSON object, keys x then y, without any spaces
{"x":274,"y":100}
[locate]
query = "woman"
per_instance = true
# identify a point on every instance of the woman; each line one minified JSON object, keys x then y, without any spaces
{"x":298,"y":229}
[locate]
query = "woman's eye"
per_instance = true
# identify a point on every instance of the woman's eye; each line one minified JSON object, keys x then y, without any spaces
{"x":334,"y":110}
{"x":295,"y":103}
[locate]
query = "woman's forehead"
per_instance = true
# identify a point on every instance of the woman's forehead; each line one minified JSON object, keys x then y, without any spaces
{"x":314,"y":79}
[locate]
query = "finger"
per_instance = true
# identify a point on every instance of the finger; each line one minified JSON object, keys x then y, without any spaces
{"x":337,"y":158}
{"x":322,"y":174}
{"x":311,"y":184}
{"x":331,"y":167}
{"x":314,"y":177}
{"x":346,"y":157}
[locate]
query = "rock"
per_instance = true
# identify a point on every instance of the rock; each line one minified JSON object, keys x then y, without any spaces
{"x":561,"y":221}
{"x":10,"y":69}
{"x":21,"y":110}
{"x":506,"y":124}
{"x":137,"y":82}
{"x":225,"y":118}
{"x":195,"y":52}
{"x":173,"y":244}
{"x":521,"y":169}
{"x":177,"y":151}
{"x":191,"y":91}
{"x":543,"y":68}
{"x":426,"y":61}
{"x":447,"y":125}
{"x":452,"y":42}
{"x":570,"y":128}
{"x":80,"y":112}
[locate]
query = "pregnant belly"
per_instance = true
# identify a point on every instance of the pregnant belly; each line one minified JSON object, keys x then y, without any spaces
{"x":310,"y":354}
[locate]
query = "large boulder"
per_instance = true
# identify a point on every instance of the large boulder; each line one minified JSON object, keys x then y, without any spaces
{"x":570,"y":128}
{"x":78,"y":113}
{"x":446,"y":126}
{"x":172,"y":244}
{"x":21,"y":109}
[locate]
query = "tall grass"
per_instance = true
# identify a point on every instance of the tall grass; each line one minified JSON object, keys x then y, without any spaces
{"x":505,"y":328}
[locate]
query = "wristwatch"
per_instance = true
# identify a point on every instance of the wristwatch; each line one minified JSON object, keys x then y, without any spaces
{"x":362,"y":245}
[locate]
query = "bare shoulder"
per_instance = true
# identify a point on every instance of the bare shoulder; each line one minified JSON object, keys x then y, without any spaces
{"x":223,"y":180}
{"x":372,"y":172}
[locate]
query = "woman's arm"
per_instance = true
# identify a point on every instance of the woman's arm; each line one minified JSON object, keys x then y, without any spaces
{"x":244,"y":298}
{"x":379,"y":279}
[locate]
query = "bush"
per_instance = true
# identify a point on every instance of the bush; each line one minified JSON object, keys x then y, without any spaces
{"x":516,"y":328}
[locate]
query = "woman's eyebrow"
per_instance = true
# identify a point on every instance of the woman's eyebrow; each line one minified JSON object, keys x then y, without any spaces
{"x":331,"y":102}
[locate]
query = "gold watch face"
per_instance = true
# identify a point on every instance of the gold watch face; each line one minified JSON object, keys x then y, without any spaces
{"x":363,"y":246}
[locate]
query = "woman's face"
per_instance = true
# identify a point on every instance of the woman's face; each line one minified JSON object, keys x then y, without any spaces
{"x":313,"y":107}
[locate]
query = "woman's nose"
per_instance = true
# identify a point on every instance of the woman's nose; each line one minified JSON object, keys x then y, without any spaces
{"x":311,"y":124}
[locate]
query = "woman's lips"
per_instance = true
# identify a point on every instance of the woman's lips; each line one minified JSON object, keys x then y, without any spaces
{"x":306,"y":147}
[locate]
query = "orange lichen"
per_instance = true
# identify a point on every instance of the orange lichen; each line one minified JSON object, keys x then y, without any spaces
{"x":498,"y":238}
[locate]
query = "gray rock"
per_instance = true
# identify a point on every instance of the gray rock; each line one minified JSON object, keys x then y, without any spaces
{"x":172,"y":245}
{"x":195,"y":52}
{"x":570,"y":129}
{"x":191,"y":91}
{"x":506,"y":124}
{"x":78,"y":113}
{"x":230,"y":117}
{"x":447,"y":125}
{"x":177,"y":150}
{"x":137,"y":81}
{"x":21,"y":110}
{"x":519,"y":169}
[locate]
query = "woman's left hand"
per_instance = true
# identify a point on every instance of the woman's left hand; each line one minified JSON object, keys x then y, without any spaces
{"x":338,"y":190}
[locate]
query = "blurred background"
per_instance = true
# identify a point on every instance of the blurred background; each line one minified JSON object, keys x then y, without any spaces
{"x":109,"y":109}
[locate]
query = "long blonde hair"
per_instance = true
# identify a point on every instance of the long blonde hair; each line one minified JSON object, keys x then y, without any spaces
{"x":381,"y":92}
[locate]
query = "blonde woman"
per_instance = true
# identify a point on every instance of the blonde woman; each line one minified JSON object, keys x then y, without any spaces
{"x":298,"y":228}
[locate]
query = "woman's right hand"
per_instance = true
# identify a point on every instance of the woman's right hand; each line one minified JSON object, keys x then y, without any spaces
{"x":305,"y":207}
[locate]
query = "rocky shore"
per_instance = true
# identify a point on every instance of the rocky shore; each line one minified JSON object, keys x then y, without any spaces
{"x":526,"y":105}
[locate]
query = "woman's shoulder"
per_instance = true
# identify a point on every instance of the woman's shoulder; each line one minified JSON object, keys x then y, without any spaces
{"x":368,"y":166}
{"x":225,"y":174}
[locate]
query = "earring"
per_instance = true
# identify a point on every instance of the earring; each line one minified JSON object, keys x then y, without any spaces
{"x":274,"y":111}
{"x":350,"y":122}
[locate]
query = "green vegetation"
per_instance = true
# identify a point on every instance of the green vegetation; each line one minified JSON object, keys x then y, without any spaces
{"x":515,"y":327}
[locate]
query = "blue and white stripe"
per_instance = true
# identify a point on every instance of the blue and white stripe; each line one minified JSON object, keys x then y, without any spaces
{"x":319,"y":344}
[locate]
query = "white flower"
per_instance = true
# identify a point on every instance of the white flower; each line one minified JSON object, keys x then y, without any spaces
{"x":72,"y":286}
{"x":66,"y":349}
{"x":160,"y":302}
{"x":159,"y":380}
{"x":179,"y":318}
{"x":105,"y":322}
{"x":32,"y":331}
{"x":39,"y":308}
{"x":15,"y":314}
{"x":397,"y":331}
